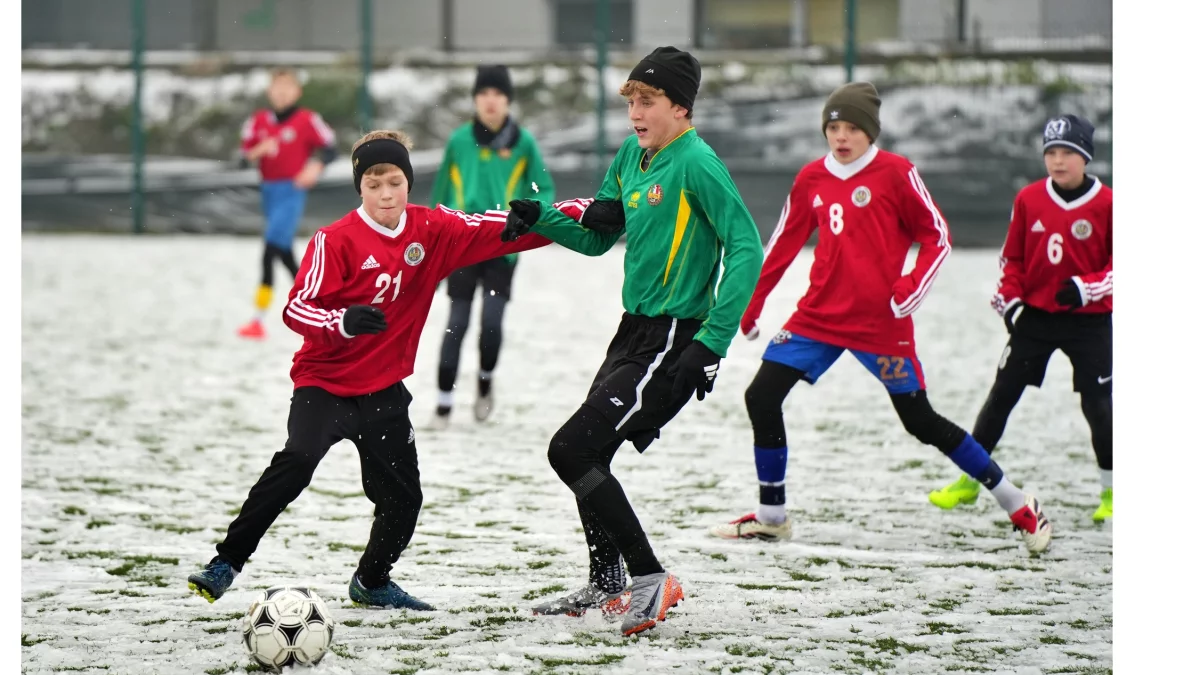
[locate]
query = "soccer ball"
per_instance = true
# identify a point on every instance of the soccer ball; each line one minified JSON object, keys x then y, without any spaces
{"x":287,"y":626}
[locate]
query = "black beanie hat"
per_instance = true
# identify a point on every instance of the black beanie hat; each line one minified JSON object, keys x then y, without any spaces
{"x":493,"y":76}
{"x":676,"y":72}
{"x":1069,"y":131}
{"x":856,"y":103}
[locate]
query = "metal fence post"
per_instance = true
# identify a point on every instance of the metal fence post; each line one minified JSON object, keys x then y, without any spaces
{"x":602,"y":21}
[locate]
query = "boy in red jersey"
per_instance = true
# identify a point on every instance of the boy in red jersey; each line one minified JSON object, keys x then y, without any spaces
{"x":869,"y":206}
{"x":283,"y":140}
{"x":360,"y":300}
{"x":1055,"y":293}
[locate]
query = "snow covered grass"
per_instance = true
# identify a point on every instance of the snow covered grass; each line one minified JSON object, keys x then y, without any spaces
{"x":145,"y":422}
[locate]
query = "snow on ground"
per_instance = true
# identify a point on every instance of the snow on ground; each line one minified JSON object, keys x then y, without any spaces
{"x":145,"y":422}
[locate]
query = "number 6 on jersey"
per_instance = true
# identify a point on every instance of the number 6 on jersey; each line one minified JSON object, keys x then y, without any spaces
{"x":382,"y":282}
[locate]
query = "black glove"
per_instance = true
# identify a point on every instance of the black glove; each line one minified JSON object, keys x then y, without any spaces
{"x":523,"y":214}
{"x":696,"y":370}
{"x":360,"y":319}
{"x":604,"y":216}
{"x":1011,"y":314}
{"x":1068,"y":295}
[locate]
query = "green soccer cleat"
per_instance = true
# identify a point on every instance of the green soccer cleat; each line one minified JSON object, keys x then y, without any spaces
{"x":1104,"y":511}
{"x":965,"y":490}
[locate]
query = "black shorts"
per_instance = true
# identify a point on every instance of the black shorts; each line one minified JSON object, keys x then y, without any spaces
{"x":1086,"y":339}
{"x":631,"y":389}
{"x":496,"y":275}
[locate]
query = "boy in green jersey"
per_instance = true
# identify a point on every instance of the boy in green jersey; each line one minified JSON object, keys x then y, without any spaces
{"x":683,"y":220}
{"x":489,"y":161}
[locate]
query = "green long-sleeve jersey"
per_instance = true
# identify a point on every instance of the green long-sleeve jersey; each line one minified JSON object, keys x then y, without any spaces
{"x":476,"y":178}
{"x":684,"y":220}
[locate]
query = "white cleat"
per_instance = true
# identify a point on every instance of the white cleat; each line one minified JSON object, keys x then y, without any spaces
{"x":483,"y":408}
{"x":1032,"y":524}
{"x":750,"y":527}
{"x":439,"y":422}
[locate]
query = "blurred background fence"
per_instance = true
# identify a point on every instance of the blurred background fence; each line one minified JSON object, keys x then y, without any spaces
{"x":118,"y":94}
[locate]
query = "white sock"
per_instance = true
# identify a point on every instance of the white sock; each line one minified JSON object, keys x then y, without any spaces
{"x":446,"y":399}
{"x":1105,"y":479}
{"x":1009,"y":496}
{"x":772,"y":514}
{"x":260,"y":315}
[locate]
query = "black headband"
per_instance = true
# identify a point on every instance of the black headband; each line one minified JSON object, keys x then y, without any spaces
{"x":380,"y":151}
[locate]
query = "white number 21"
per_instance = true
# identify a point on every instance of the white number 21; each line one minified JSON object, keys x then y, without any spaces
{"x":382,"y":282}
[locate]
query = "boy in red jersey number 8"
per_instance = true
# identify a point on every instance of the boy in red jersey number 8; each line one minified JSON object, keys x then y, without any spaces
{"x":869,"y":206}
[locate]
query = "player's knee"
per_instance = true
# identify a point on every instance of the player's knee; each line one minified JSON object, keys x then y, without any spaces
{"x":576,"y":445}
{"x":763,"y":399}
{"x":1097,"y":408}
{"x":922,"y":422}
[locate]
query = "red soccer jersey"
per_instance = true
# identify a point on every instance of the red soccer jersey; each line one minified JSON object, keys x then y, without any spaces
{"x":299,"y":135}
{"x":1050,"y":241}
{"x":357,"y":261}
{"x":869,"y":214}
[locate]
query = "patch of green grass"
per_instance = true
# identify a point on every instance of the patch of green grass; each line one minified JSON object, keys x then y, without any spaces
{"x":767,"y":587}
{"x":820,"y":562}
{"x":487,"y":523}
{"x":134,"y":562}
{"x":353,"y":623}
{"x":342,"y":651}
{"x":176,"y":528}
{"x":539,"y":564}
{"x":27,"y":641}
{"x":209,"y":619}
{"x":719,"y":556}
{"x":545,"y":590}
{"x":154,"y":622}
{"x":402,"y":620}
{"x":893,"y":646}
{"x":991,"y":567}
{"x":1014,"y":611}
{"x":939,"y":628}
{"x":601,"y":660}
{"x":1052,"y":640}
{"x":910,"y":464}
{"x":801,"y":576}
{"x":495,"y":621}
{"x":1080,"y":624}
{"x":336,"y":546}
{"x":946,"y":604}
{"x":74,"y":511}
{"x":743,"y":650}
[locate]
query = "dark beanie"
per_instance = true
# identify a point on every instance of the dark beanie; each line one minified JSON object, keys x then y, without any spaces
{"x":493,"y":76}
{"x":676,"y":72}
{"x":856,"y":103}
{"x":1069,"y":131}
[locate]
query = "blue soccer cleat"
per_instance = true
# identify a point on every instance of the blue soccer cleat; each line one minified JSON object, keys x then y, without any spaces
{"x":387,"y":596}
{"x":211,"y":582}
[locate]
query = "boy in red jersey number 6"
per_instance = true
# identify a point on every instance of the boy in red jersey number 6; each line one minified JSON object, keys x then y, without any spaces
{"x":360,"y":300}
{"x":869,"y":206}
{"x":1055,"y":292}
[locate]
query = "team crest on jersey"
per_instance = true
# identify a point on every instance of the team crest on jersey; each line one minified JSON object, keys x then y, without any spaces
{"x":1081,"y":229}
{"x":654,"y":196}
{"x":633,"y":198}
{"x":414,"y":254}
{"x":861,"y":196}
{"x":287,"y":135}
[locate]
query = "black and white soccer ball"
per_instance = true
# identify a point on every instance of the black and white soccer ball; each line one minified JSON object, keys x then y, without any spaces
{"x":287,"y":626}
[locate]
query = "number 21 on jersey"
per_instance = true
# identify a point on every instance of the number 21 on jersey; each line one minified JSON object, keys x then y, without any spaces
{"x":385,"y":281}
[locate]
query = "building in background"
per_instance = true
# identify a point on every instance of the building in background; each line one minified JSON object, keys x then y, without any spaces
{"x":550,"y":25}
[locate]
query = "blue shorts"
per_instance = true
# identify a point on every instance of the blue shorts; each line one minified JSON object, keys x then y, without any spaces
{"x":900,"y":375}
{"x":283,"y":206}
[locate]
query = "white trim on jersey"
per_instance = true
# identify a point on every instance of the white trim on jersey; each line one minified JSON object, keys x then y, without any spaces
{"x":304,"y":312}
{"x":1068,"y":206}
{"x":381,"y":229}
{"x":914,"y":301}
{"x":658,"y":359}
{"x":324,"y":132}
{"x":848,"y":171}
{"x":1096,"y":290}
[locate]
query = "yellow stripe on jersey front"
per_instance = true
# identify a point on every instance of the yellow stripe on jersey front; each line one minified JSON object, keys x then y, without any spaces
{"x":682,"y":216}
{"x":513,"y":180}
{"x":460,"y":201}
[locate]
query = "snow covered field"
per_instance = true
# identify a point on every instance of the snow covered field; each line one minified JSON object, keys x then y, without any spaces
{"x":145,"y":422}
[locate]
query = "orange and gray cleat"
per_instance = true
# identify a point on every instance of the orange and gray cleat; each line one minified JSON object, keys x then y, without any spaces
{"x":653,"y":595}
{"x":588,"y":597}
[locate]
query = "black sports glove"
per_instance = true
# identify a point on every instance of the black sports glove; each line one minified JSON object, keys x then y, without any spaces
{"x":1068,"y":295}
{"x":360,"y":319}
{"x":696,"y":370}
{"x":1011,"y":315}
{"x":522,"y":215}
{"x":604,"y":216}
